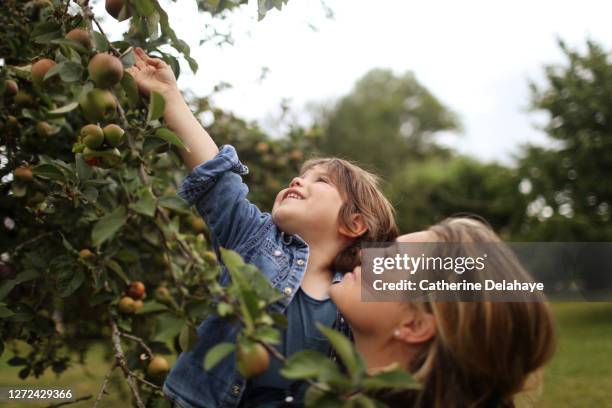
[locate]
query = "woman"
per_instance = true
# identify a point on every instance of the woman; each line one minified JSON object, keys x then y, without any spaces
{"x":465,"y":354}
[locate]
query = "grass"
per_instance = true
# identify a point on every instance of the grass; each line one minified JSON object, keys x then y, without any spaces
{"x":580,"y":374}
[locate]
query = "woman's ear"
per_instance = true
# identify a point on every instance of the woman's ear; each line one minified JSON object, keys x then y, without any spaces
{"x":356,"y":227}
{"x":418,"y":327}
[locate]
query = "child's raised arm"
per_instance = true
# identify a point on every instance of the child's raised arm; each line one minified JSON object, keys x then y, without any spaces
{"x":152,"y":74}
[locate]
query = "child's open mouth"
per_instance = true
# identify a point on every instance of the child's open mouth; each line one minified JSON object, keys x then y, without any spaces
{"x":293,"y":194}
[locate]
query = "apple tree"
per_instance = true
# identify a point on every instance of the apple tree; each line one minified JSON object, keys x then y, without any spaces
{"x":95,"y":243}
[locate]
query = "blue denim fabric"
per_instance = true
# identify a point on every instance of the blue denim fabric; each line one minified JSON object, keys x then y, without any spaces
{"x":216,"y":189}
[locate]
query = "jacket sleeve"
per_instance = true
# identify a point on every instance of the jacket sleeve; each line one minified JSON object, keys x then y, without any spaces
{"x":219,"y":195}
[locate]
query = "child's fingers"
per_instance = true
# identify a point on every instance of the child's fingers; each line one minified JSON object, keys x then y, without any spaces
{"x":141,"y":64}
{"x":153,"y":61}
{"x":133,"y":71}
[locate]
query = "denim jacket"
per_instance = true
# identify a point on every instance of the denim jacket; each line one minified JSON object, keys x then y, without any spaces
{"x":216,"y":189}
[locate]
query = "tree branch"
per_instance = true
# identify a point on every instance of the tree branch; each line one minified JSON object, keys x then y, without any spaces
{"x":139,"y":341}
{"x":122,"y":363}
{"x":61,"y":404}
{"x":104,"y":384}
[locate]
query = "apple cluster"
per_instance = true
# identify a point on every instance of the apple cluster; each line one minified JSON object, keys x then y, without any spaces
{"x":132,"y":301}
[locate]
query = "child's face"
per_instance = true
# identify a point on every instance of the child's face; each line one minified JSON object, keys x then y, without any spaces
{"x":310,"y":206}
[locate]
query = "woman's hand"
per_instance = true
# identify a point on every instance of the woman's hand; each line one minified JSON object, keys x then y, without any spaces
{"x":153,"y":74}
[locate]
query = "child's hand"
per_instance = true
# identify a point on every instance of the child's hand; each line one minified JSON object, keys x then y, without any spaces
{"x":152,"y":74}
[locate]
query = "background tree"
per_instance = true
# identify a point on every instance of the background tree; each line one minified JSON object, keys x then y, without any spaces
{"x":570,"y":198}
{"x":386,"y":121}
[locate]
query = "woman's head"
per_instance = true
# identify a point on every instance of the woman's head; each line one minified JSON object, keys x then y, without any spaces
{"x":464,"y":353}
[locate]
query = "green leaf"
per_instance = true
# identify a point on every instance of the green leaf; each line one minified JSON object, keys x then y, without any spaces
{"x":268,"y":335}
{"x":69,"y":282}
{"x":146,"y":203}
{"x":108,"y":226}
{"x":344,"y":348}
{"x":396,"y":378}
{"x":307,"y":364}
{"x":70,"y":43}
{"x":43,"y":33}
{"x":67,"y":244}
{"x":216,"y":354}
{"x":168,"y":327}
{"x":84,"y":171}
{"x":100,"y":42}
{"x":131,"y":89}
{"x":170,"y":137}
{"x":70,"y":71}
{"x":49,"y":171}
{"x":64,"y":109}
{"x":115,"y":267}
{"x":5,"y":312}
{"x":152,"y":307}
{"x":27,"y":275}
{"x":174,"y":203}
{"x":188,"y":337}
{"x":143,"y":7}
{"x":157,"y":104}
{"x":232,"y":260}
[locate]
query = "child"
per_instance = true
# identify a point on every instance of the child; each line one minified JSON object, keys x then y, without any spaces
{"x":316,"y":226}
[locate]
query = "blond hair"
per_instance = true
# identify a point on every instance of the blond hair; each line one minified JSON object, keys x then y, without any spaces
{"x":361,"y":194}
{"x":484,"y":352}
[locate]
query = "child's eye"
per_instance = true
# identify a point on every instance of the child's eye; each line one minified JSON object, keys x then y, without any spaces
{"x":323,"y":179}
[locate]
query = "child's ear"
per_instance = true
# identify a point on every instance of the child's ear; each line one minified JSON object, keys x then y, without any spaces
{"x":356,"y":227}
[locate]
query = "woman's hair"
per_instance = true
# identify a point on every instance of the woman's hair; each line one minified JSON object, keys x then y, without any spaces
{"x":483,"y":352}
{"x":361,"y":194}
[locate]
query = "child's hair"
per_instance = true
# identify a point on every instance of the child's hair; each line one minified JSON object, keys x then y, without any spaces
{"x":484,"y":352}
{"x":360,"y":191}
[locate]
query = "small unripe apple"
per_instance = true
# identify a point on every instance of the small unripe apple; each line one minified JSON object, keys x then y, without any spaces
{"x":138,"y":304}
{"x":11,"y":87}
{"x":44,"y":129}
{"x":114,"y":7}
{"x":86,"y":255}
{"x":158,"y":367}
{"x":210,"y":257}
{"x":163,"y":294}
{"x":105,"y":70}
{"x":113,"y":135}
{"x":81,"y":36}
{"x":198,"y":224}
{"x":111,"y":157}
{"x":22,"y":98}
{"x":40,"y":69}
{"x":23,"y":174}
{"x":92,"y":136}
{"x":98,"y":105}
{"x":136,"y":290}
{"x":126,"y":305}
{"x":252,"y":360}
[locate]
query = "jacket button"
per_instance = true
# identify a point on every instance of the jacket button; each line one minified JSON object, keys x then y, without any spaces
{"x":277,"y":253}
{"x":236,"y":389}
{"x":300,"y":262}
{"x":287,"y":291}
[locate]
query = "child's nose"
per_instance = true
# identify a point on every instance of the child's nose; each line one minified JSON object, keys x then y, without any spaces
{"x":296,"y":182}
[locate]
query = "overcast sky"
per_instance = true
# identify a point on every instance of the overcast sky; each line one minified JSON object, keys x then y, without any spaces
{"x":475,"y":56}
